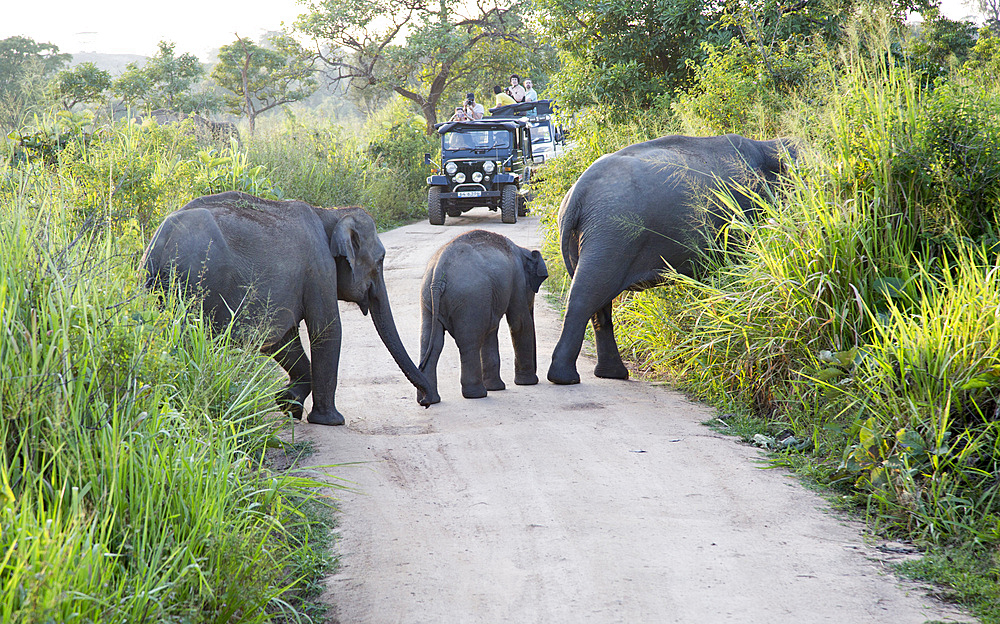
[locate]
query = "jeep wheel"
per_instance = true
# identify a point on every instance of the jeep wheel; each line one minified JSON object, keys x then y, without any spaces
{"x":508,"y":204}
{"x":435,"y":212}
{"x":522,"y":206}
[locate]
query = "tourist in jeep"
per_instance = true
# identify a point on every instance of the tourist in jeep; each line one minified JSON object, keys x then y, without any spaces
{"x":515,"y":90}
{"x":529,"y":92}
{"x":502,"y":99}
{"x":473,"y":109}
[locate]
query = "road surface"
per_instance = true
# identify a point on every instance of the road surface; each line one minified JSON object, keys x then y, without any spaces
{"x":603,"y":502}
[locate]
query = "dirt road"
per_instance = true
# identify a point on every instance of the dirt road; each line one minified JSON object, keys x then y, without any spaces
{"x":603,"y":502}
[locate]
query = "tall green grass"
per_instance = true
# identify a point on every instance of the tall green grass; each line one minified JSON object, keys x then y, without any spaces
{"x":132,"y":480}
{"x":379,"y":167}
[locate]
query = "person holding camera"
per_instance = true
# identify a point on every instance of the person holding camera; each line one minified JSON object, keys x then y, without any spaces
{"x":515,"y":90}
{"x":473,"y":109}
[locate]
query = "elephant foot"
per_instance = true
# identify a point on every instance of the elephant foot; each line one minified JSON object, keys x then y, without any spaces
{"x":474,"y":392}
{"x":526,"y":380}
{"x":326,"y":417}
{"x":291,"y":399}
{"x":613,"y":371}
{"x":563,"y":376}
{"x":496,"y":384}
{"x":428,"y":398}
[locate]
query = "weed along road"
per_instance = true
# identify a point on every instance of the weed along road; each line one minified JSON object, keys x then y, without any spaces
{"x":606,"y":501}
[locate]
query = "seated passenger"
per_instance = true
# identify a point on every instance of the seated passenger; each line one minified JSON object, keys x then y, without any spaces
{"x":515,"y":90}
{"x":502,"y":99}
{"x":529,"y":92}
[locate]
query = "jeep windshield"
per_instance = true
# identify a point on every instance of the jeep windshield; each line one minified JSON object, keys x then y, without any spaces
{"x":540,"y":132}
{"x":476,"y":139}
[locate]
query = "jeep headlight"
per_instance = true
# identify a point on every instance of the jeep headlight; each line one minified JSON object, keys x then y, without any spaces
{"x":477,"y":176}
{"x":488,"y":166}
{"x":459,"y":177}
{"x":451,"y":168}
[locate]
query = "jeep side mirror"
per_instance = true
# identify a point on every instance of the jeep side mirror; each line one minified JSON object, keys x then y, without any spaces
{"x":427,"y":159}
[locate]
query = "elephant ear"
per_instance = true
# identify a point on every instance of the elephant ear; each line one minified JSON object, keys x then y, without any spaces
{"x":344,"y":240}
{"x":534,"y":268}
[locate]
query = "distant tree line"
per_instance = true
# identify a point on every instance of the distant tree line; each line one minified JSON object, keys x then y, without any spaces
{"x":623,"y":55}
{"x":248,"y":79}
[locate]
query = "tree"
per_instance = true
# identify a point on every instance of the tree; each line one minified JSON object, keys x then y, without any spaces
{"x":941,"y":43}
{"x":418,"y":49}
{"x":25,"y":65}
{"x":627,"y":52}
{"x":162,"y":82}
{"x":262,"y":78}
{"x":81,"y":84}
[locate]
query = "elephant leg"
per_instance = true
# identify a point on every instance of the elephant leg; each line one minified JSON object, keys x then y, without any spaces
{"x":470,"y":348}
{"x":290,"y":355}
{"x":490,"y":356}
{"x":431,"y":344}
{"x":522,"y":334}
{"x":594,"y":287}
{"x":324,"y":339}
{"x":609,"y":361}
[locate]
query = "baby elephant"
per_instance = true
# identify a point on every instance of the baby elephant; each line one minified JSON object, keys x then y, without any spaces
{"x":469,"y":284}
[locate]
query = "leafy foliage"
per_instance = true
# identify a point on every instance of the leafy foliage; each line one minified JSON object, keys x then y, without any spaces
{"x":262,"y":78}
{"x":421,"y":51}
{"x":25,"y":65}
{"x":624,"y":53}
{"x":163,"y":82}
{"x":81,"y":84}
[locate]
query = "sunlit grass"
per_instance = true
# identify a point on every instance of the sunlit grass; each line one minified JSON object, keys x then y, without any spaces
{"x":133,"y":485}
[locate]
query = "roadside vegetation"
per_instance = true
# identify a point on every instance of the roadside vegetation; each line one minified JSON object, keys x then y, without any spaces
{"x":853,"y":332}
{"x":135,"y":478}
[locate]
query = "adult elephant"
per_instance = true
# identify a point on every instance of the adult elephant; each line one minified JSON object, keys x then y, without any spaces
{"x":272,"y":264}
{"x":636,"y":212}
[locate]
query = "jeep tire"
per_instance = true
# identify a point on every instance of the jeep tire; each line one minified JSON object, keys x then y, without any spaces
{"x":508,"y":203}
{"x":522,"y":206}
{"x":435,"y":211}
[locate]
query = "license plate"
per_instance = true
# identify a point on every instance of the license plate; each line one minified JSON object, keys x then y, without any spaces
{"x":469,"y":193}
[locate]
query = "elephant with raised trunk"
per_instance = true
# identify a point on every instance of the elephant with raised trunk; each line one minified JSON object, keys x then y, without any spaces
{"x":470,"y":283}
{"x":274,"y":264}
{"x":639,"y":211}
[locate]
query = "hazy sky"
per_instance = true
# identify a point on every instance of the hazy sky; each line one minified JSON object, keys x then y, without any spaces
{"x":135,"y":27}
{"x":196,"y":26}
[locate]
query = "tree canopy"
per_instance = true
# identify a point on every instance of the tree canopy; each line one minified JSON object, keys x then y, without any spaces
{"x":420,"y":50}
{"x":162,"y":82}
{"x":260,"y":78}
{"x":80,"y":84}
{"x":25,"y":65}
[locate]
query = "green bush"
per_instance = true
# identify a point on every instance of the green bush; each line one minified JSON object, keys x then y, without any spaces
{"x":739,"y":90}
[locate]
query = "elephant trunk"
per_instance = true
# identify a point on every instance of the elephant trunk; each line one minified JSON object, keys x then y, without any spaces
{"x":386,"y":328}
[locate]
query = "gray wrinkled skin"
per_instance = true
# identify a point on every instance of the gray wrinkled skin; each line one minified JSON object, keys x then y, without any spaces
{"x":639,"y":211}
{"x":469,"y":284}
{"x":273,"y":264}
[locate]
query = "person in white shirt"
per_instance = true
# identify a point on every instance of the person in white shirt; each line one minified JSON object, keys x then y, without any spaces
{"x":529,"y":92}
{"x":473,"y":109}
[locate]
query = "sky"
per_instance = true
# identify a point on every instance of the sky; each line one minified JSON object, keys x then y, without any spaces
{"x":135,"y":27}
{"x":195,"y":26}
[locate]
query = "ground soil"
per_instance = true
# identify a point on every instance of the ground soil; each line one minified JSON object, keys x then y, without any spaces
{"x":605,"y":502}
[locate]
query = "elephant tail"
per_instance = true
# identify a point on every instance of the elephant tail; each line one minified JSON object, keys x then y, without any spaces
{"x":436,"y":291}
{"x":569,"y":231}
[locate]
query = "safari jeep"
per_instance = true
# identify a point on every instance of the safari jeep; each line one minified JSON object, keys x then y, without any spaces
{"x":548,"y":139}
{"x":483,"y":163}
